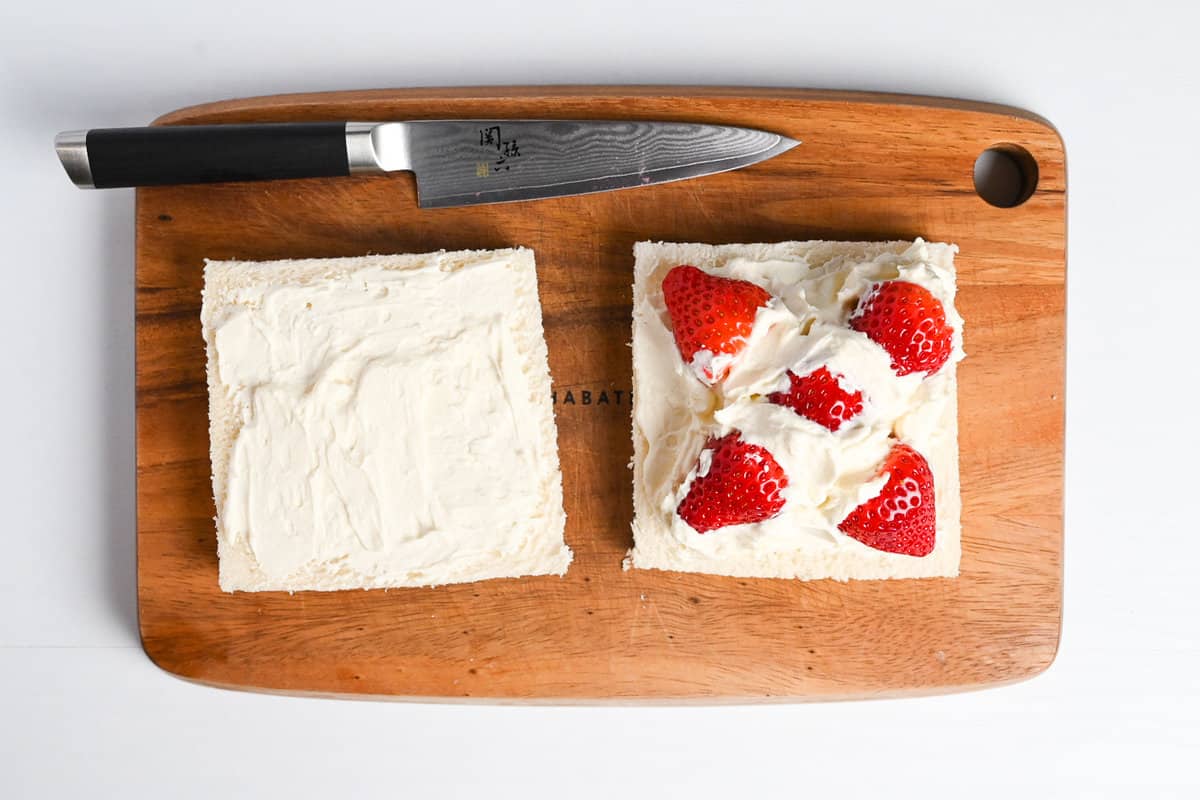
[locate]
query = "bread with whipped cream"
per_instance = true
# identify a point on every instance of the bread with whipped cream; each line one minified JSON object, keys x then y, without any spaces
{"x":381,"y":422}
{"x":685,"y":411}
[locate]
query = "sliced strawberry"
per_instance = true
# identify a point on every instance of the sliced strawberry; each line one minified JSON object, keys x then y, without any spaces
{"x":744,"y":483}
{"x":710,"y":315}
{"x":819,"y":396}
{"x":909,"y":323}
{"x":901,"y":518}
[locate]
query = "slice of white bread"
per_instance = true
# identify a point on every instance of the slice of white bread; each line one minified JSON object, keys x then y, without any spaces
{"x":674,"y":414}
{"x":381,"y":421}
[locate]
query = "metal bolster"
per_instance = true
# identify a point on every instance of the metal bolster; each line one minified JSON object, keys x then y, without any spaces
{"x":360,"y":150}
{"x":378,"y":147}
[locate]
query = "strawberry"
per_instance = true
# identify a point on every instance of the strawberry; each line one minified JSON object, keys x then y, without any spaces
{"x":819,"y":396}
{"x":908,"y":322}
{"x":711,"y":316}
{"x":743,"y":484}
{"x":901,"y":518}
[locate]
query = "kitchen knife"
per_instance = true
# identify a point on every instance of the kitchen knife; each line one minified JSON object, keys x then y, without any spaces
{"x":456,"y":162}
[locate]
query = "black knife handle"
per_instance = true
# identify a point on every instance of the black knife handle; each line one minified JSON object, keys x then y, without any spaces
{"x":215,"y":153}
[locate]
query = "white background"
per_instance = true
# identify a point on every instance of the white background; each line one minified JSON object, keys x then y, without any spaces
{"x":84,"y":713}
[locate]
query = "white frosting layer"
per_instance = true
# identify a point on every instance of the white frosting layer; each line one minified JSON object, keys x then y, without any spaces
{"x":393,"y":427}
{"x":830,"y":473}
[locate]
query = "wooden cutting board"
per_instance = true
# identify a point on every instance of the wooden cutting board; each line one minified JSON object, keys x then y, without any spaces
{"x":871,"y":167}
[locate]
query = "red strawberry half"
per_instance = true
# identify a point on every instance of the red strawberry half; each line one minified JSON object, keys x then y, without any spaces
{"x":744,"y":483}
{"x":820,"y":397}
{"x":909,"y":323}
{"x":901,"y":518}
{"x":710,"y":314}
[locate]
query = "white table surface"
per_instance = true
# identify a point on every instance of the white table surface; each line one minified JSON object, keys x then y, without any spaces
{"x":83,"y":713}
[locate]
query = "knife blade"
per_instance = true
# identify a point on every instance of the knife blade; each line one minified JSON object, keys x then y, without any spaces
{"x":456,"y":162}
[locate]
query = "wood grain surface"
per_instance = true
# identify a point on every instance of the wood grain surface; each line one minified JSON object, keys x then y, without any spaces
{"x":871,"y":167}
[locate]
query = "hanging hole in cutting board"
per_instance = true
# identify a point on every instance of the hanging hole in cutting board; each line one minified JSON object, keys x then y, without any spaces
{"x":1005,"y":175}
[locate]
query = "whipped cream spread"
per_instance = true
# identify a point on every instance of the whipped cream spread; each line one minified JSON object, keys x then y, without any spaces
{"x":394,"y":426}
{"x":815,"y":287}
